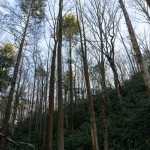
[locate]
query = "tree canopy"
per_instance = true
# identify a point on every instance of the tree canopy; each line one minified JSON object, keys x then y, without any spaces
{"x":70,"y":25}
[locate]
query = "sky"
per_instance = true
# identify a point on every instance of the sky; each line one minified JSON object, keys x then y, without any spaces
{"x":140,"y":28}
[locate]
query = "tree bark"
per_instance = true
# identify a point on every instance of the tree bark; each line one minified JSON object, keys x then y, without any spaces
{"x":104,"y":101}
{"x":60,"y":130}
{"x":131,"y":62}
{"x":66,"y":109}
{"x":40,"y":108}
{"x":32,"y":103}
{"x":116,"y":80}
{"x":16,"y":101}
{"x":104,"y":93}
{"x":45,"y":112}
{"x":71,"y":89}
{"x":136,"y":47}
{"x":36,"y":114}
{"x":51,"y":101}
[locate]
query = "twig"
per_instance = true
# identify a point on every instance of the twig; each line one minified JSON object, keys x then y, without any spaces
{"x":10,"y":140}
{"x":18,"y":144}
{"x":28,"y":144}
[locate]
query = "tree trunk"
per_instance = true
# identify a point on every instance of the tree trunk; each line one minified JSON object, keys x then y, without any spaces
{"x":136,"y":47}
{"x":66,"y":110}
{"x":104,"y":92}
{"x":104,"y":103}
{"x":40,"y":110}
{"x":89,"y":94}
{"x":37,"y":104}
{"x":60,"y":130}
{"x":116,"y":80}
{"x":13,"y":83}
{"x":76,"y":100}
{"x":126,"y":49}
{"x":71,"y":90}
{"x":51,"y":101}
{"x":32,"y":103}
{"x":45,"y":113}
{"x":148,"y":3}
{"x":16,"y":102}
{"x":45,"y":107}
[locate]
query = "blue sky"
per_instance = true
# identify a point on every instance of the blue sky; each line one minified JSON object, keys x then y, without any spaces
{"x":140,"y":28}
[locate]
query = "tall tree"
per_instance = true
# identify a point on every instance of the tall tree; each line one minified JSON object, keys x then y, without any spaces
{"x":60,"y":128}
{"x":87,"y":80}
{"x":70,"y":28}
{"x":31,"y":9}
{"x":136,"y":47}
{"x":51,"y":99}
{"x":17,"y":96}
{"x":13,"y":83}
{"x":101,"y":32}
{"x":33,"y":95}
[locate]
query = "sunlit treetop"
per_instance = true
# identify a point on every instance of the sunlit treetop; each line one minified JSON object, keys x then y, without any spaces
{"x":7,"y":50}
{"x":70,"y":25}
{"x":7,"y":57}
